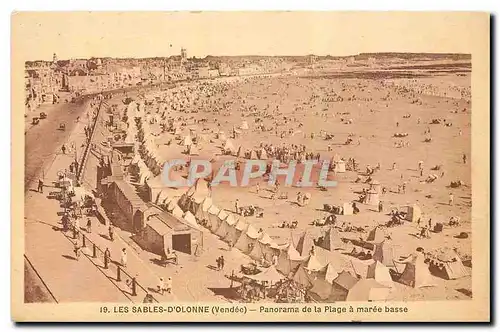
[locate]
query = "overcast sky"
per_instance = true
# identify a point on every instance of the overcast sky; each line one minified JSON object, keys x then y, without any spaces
{"x":82,"y":34}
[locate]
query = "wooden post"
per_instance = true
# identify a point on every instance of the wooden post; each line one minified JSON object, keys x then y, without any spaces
{"x":94,"y":251}
{"x":118,"y":273}
{"x":84,"y":241}
{"x":232,"y":278}
{"x":134,"y":287}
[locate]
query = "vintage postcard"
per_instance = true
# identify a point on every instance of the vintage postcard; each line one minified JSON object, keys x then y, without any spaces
{"x":250,"y":166}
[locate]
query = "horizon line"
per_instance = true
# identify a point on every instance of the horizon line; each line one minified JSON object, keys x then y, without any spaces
{"x":256,"y":55}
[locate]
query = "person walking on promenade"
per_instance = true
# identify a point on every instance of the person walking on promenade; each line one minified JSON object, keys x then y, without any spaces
{"x":63,"y":148}
{"x":40,"y":185}
{"x":111,"y":233}
{"x":222,"y":262}
{"x":89,"y":225}
{"x":123,"y":259}
{"x":76,"y":250}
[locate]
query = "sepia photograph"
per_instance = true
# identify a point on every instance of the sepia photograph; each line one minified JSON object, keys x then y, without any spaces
{"x":250,"y":166}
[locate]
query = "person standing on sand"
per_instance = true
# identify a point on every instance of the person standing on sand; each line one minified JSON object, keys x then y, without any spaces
{"x":464,"y":158}
{"x":123,"y":259}
{"x":450,"y":199}
{"x":237,"y":206}
{"x":40,"y":185}
{"x":380,"y":207}
{"x":393,"y":166}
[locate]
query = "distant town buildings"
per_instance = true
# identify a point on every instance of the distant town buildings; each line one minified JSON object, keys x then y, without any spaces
{"x":51,"y":81}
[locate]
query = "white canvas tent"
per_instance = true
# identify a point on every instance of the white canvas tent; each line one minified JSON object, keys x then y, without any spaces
{"x":289,"y":259}
{"x":213,"y":218}
{"x":247,"y":240}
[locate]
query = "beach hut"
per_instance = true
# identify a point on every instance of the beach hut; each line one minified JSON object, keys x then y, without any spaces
{"x":372,"y":198}
{"x":340,"y":166}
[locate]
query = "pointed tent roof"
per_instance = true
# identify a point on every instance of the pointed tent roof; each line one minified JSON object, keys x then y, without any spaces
{"x":313,"y":264}
{"x":252,"y":232}
{"x":244,"y":125}
{"x":376,"y":235}
{"x":330,"y":273}
{"x":380,"y":273}
{"x":228,"y":146}
{"x":416,"y":273}
{"x":241,"y":225}
{"x":302,"y":277}
{"x":193,"y":150}
{"x":230,"y":220}
{"x":222,"y":214}
{"x":263,"y":154}
{"x":214,"y":210}
{"x":332,"y":240}
{"x":191,"y":220}
{"x":187,"y":141}
{"x":345,"y":280}
{"x":383,"y":252}
{"x":270,"y":275}
{"x":265,"y":239}
{"x":305,"y":243}
{"x":368,"y":290}
{"x":253,"y":155}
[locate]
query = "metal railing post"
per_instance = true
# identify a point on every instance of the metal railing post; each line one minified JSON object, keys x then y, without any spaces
{"x":118,"y":273}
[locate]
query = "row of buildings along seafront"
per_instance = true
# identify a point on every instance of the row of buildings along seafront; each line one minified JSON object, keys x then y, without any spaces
{"x":60,"y":80}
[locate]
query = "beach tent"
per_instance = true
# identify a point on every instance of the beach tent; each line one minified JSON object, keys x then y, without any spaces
{"x":446,"y":263}
{"x":262,"y":248}
{"x":347,"y":209}
{"x":187,"y":141}
{"x":384,"y":253}
{"x":202,"y":211}
{"x":303,"y":277}
{"x":177,"y":212}
{"x":192,"y":150}
{"x":372,"y":198}
{"x":338,"y":290}
{"x":289,"y":259}
{"x":328,"y":273}
{"x":414,"y":213}
{"x":416,"y":273}
{"x":191,"y":220}
{"x":229,"y":147}
{"x":271,"y":275}
{"x":331,"y":240}
{"x":253,"y":155}
{"x":247,"y":240}
{"x":226,"y":226}
{"x":244,"y":125}
{"x":240,"y":152}
{"x":368,"y":290}
{"x":213,"y":218}
{"x":222,"y":230}
{"x":222,"y":136}
{"x":371,"y":269}
{"x":263,"y":154}
{"x":234,"y":232}
{"x":376,"y":186}
{"x":340,"y":166}
{"x":376,"y":235}
{"x":305,"y":244}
